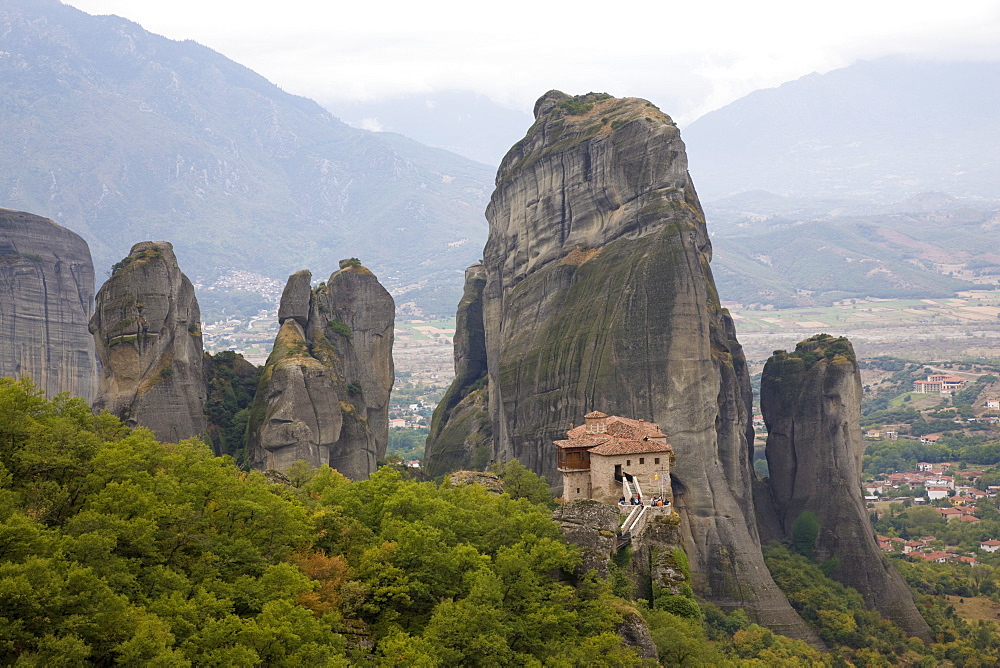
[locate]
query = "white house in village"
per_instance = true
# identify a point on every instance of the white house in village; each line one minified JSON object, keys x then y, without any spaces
{"x":940,"y":481}
{"x":989,"y":545}
{"x":935,"y":492}
{"x":596,"y":456}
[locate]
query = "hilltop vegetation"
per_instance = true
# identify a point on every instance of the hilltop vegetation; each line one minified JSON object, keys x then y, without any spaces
{"x":117,"y":548}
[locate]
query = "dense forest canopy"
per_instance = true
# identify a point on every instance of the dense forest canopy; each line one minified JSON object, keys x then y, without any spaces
{"x":118,"y":549}
{"x":115,"y":548}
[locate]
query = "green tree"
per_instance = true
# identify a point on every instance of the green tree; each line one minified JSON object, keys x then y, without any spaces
{"x":522,"y":483}
{"x":805,"y":531}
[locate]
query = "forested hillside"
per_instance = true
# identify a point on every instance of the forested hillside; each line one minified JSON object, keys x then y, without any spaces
{"x":115,"y":548}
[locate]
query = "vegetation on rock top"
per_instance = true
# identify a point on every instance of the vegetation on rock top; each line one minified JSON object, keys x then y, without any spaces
{"x":819,"y":347}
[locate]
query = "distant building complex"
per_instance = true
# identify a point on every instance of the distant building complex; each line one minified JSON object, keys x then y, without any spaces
{"x":939,"y":383}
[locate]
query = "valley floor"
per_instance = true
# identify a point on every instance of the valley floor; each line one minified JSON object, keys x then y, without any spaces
{"x":963,"y":328}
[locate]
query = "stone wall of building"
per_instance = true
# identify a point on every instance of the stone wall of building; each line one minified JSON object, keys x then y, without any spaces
{"x":576,"y":485}
{"x":606,"y":489}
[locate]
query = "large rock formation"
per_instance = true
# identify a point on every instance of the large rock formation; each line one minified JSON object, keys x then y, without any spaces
{"x":460,"y":428}
{"x":46,"y":300}
{"x":324,"y":394}
{"x":811,"y":401}
{"x":598,"y":295}
{"x":147,"y":329}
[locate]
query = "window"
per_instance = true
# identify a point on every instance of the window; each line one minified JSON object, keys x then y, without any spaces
{"x":628,"y":462}
{"x":656,"y":461}
{"x":577,"y":490}
{"x":642,"y":460}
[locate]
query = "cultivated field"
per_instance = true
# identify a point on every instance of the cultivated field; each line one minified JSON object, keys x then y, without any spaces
{"x":962,"y":328}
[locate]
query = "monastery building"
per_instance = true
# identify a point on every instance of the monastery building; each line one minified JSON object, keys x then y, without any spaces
{"x":598,"y":455}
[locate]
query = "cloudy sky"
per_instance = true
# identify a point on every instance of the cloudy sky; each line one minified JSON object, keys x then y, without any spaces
{"x":687,"y":57}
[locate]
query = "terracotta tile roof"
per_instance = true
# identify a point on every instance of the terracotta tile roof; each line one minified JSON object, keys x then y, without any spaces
{"x":622,"y":436}
{"x":584,"y":441}
{"x":623,"y":428}
{"x":627,"y":447}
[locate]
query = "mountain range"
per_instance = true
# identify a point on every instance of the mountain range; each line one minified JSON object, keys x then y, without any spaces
{"x":123,"y":136}
{"x":879,"y":130}
{"x":814,"y":191}
{"x":460,"y":121}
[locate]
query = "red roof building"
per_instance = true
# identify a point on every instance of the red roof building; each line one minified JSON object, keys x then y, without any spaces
{"x":598,"y":455}
{"x":939,"y":383}
{"x":991,"y":545}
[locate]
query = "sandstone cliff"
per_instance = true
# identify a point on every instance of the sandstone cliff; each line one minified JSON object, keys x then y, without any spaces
{"x":323,"y":397}
{"x":811,"y":402}
{"x":598,"y":295}
{"x":460,"y":427}
{"x":46,"y":300}
{"x":147,"y":330}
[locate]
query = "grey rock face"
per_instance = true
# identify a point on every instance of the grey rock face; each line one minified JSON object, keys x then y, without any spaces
{"x":324,"y":394}
{"x":592,"y":526}
{"x":46,"y":300}
{"x":492,"y":482}
{"x":147,"y":331}
{"x":355,"y":299}
{"x":461,"y":422}
{"x":295,"y":298}
{"x":655,"y":564}
{"x":811,"y":401}
{"x":304,"y":418}
{"x":635,"y":634}
{"x":598,"y":295}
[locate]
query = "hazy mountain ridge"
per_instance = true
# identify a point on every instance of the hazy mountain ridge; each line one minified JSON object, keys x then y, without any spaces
{"x":123,"y":135}
{"x":463,"y":122}
{"x":880,"y":130}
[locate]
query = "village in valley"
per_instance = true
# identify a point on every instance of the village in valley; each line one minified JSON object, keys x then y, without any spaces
{"x":949,"y":492}
{"x":932,"y":460}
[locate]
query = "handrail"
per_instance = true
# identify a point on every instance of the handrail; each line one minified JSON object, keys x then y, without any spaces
{"x":632,"y":519}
